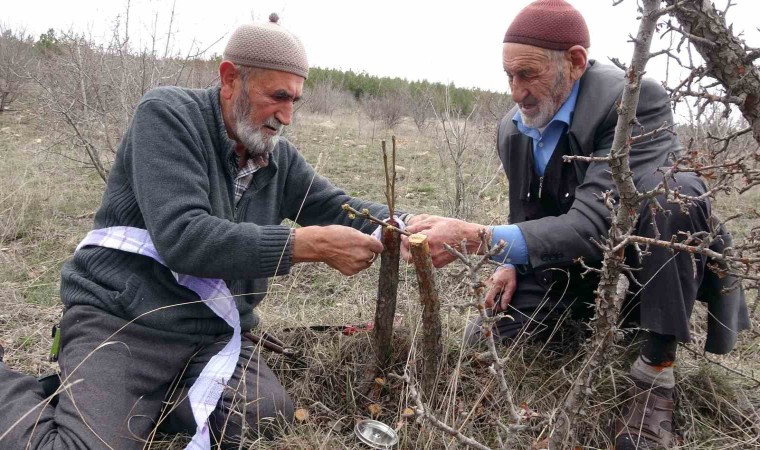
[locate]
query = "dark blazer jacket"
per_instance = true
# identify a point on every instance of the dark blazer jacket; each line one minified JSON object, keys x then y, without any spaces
{"x":560,"y":240}
{"x":557,"y":241}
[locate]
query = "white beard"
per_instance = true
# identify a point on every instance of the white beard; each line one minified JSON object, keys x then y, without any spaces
{"x":546,"y":111}
{"x":254,"y":141}
{"x":250,"y":135}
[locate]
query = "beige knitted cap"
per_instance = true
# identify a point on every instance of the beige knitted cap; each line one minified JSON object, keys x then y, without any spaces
{"x":267,"y":46}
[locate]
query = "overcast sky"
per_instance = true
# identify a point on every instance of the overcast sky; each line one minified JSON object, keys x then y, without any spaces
{"x":456,"y":42}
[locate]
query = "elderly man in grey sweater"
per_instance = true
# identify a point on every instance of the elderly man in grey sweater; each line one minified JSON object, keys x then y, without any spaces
{"x":198,"y":191}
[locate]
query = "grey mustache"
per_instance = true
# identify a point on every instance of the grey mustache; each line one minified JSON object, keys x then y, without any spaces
{"x":272,"y":122}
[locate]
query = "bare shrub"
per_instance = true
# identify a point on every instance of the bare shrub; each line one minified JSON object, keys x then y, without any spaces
{"x":493,"y":106}
{"x":93,"y":89}
{"x":418,"y":107}
{"x":388,"y":108}
{"x":392,"y":108}
{"x":16,"y":55}
{"x":371,"y":107}
{"x":469,"y":164}
{"x":325,"y":98}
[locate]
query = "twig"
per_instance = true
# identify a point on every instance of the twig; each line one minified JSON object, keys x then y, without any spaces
{"x":719,"y":364}
{"x":389,"y":179}
{"x":588,"y":159}
{"x":421,"y":411}
{"x":365,"y":214}
{"x":699,"y":250}
{"x":477,"y":290}
{"x":695,"y":38}
{"x":324,"y":408}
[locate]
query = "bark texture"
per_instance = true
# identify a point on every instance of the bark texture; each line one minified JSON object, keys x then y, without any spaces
{"x":613,"y":284}
{"x":387,"y":290}
{"x":725,"y":54}
{"x":432,"y":347}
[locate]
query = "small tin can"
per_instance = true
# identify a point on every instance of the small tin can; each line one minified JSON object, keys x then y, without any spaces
{"x":376,"y":434}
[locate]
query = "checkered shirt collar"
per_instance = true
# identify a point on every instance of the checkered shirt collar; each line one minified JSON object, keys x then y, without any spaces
{"x":243,"y":178}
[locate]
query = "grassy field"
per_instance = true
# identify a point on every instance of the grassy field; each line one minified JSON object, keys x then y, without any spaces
{"x":46,"y":206}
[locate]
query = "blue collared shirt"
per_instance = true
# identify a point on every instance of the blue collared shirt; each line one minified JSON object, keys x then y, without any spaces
{"x":516,"y":250}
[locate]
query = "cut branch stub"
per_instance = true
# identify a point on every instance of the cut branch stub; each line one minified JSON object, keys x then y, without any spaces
{"x":387,"y":290}
{"x":431,"y":312}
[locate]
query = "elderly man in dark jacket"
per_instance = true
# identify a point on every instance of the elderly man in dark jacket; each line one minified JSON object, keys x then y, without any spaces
{"x":151,"y":333}
{"x":566,"y":106}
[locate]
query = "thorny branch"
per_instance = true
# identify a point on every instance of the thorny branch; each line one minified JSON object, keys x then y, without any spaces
{"x":477,"y":290}
{"x":729,"y":61}
{"x":725,"y":54}
{"x":612,"y":285}
{"x":422,"y":412}
{"x":720,"y":149}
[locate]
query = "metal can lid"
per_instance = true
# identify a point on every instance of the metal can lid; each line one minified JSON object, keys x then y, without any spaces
{"x":376,"y":434}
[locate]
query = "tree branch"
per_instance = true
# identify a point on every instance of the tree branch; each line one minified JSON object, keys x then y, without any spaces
{"x":612,"y":286}
{"x":422,"y":412}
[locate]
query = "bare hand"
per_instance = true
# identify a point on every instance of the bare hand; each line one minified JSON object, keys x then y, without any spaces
{"x":442,"y":230}
{"x":504,"y":282}
{"x":343,"y":248}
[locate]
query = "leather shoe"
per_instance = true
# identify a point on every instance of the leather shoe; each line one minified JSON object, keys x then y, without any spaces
{"x":646,"y":422}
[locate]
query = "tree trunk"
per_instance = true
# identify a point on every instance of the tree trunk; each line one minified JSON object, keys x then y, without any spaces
{"x":613,"y":285}
{"x":387,"y":290}
{"x":725,"y":55}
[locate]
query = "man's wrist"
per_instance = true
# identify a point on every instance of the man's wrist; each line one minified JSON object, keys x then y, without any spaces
{"x":305,"y":243}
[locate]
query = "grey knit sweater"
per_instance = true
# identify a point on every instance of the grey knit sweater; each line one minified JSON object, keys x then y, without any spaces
{"x":173,"y":176}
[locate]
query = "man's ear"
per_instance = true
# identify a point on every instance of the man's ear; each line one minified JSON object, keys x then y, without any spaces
{"x":578,"y":59}
{"x":227,"y":76}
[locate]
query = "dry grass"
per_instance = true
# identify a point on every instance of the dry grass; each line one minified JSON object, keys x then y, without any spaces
{"x":45,"y":209}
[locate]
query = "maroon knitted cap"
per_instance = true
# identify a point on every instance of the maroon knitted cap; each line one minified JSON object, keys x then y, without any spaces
{"x":552,"y":24}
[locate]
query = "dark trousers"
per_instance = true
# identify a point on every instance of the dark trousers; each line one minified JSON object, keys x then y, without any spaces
{"x":124,"y":382}
{"x":667,"y":284}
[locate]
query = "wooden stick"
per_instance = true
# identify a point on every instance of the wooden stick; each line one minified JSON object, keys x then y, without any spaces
{"x":431,"y":313}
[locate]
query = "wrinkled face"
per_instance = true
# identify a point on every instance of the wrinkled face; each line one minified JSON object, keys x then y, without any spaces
{"x":538,"y":82}
{"x":262,"y":107}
